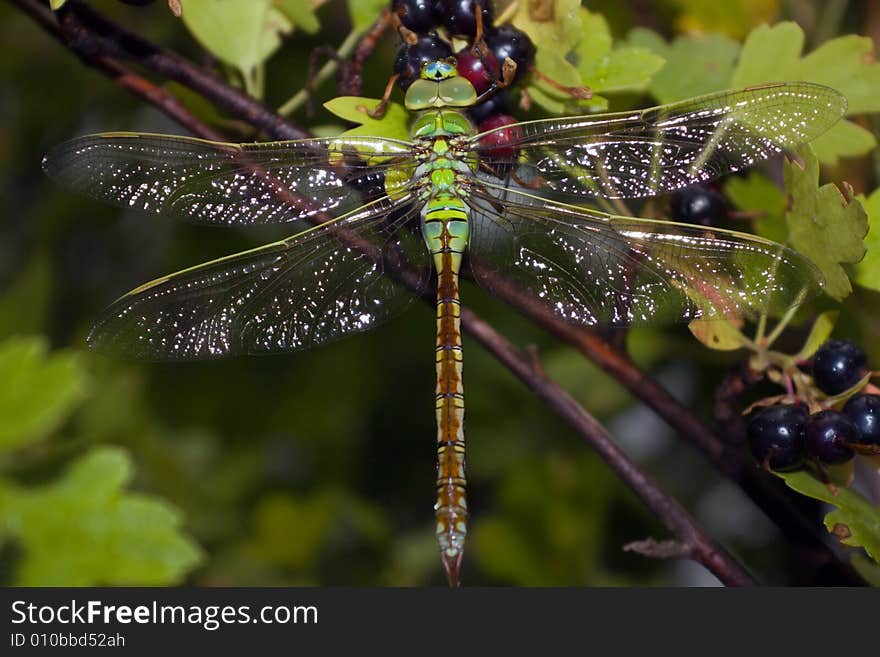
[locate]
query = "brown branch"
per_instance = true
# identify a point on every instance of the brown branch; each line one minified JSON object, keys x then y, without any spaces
{"x":127,"y":79}
{"x":364,"y":49}
{"x":700,"y":547}
{"x":650,"y":547}
{"x":727,"y":410}
{"x":91,"y":35}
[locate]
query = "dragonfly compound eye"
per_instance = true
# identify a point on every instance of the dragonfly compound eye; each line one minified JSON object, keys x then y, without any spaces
{"x":441,"y":69}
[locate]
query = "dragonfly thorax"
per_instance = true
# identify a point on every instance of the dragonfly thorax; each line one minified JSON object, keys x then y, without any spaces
{"x":440,"y":123}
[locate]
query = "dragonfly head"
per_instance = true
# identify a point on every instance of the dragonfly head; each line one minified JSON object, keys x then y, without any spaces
{"x":440,"y":86}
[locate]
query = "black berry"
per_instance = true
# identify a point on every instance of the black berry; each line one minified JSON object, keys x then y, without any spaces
{"x":837,"y":366}
{"x":418,"y":15}
{"x":698,"y":205}
{"x":460,"y":16}
{"x":864,"y":411}
{"x":507,"y":41}
{"x":498,"y":103}
{"x":776,"y":435}
{"x":826,"y":436}
{"x":410,"y":59}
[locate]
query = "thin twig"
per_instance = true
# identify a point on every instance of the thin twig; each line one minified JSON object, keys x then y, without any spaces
{"x":301,"y":97}
{"x":169,"y":104}
{"x":363,"y":51}
{"x":91,"y":34}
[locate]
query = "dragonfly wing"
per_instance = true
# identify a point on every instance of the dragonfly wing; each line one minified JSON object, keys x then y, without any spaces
{"x":217,"y":183}
{"x":309,"y":289}
{"x":598,"y":269}
{"x":658,"y":150}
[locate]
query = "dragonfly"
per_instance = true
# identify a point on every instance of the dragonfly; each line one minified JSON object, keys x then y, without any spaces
{"x":390,"y":220}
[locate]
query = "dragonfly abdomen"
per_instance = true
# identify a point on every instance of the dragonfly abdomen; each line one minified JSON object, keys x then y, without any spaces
{"x":445,"y":229}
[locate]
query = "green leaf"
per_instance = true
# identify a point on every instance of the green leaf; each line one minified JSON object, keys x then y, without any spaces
{"x":719,"y":334}
{"x":770,"y":54}
{"x":393,"y":125}
{"x":869,"y":570}
{"x":847,"y":64}
{"x":555,"y":36}
{"x":756,"y":193}
{"x":365,"y":12}
{"x":108,"y":536}
{"x":56,"y":4}
{"x":242,"y":33}
{"x":855,"y":521}
{"x":824,"y":224}
{"x":574,"y":49}
{"x":39,"y":390}
{"x":603,"y":69}
{"x":695,"y":65}
{"x":844,"y":139}
{"x":867,"y":272}
{"x":300,"y":13}
{"x":819,"y":333}
{"x":773,"y":54}
{"x":731,"y":18}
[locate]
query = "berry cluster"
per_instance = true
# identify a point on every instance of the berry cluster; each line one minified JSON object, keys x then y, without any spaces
{"x":435,"y":23}
{"x":782,"y":437}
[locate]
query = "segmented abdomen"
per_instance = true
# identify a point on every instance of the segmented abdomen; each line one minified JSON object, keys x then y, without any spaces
{"x":445,"y":228}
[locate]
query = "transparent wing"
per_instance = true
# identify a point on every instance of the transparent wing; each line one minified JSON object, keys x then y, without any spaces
{"x":312,"y":288}
{"x":597,"y":269}
{"x":217,"y":183}
{"x":649,"y":152}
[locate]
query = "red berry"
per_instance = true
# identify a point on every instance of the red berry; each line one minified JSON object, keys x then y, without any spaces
{"x":479,"y":72}
{"x":501,"y":141}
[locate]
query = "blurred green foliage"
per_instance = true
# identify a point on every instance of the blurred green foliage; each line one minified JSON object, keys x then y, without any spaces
{"x":81,"y":529}
{"x":317,"y":468}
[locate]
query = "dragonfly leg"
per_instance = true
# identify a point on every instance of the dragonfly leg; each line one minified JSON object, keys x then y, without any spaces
{"x":379,"y":111}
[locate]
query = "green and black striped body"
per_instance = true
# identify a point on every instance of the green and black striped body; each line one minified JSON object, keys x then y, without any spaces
{"x":442,"y":175}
